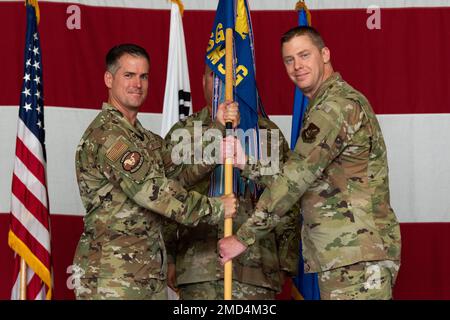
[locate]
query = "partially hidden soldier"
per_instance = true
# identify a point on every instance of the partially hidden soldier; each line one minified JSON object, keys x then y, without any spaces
{"x":339,"y":171}
{"x":121,"y":170}
{"x":194,"y":268}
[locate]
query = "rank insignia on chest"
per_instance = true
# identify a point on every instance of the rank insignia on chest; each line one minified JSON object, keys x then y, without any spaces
{"x":132,"y":161}
{"x":152,"y":145}
{"x":309,"y":134}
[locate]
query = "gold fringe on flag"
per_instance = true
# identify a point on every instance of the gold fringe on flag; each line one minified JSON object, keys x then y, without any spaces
{"x":180,"y":5}
{"x":302,"y":5}
{"x":31,"y":260}
{"x":35,"y":4}
{"x":295,"y":294}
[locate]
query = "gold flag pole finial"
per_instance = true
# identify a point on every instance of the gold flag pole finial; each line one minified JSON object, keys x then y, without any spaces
{"x":180,"y":5}
{"x":302,"y":5}
{"x":35,"y":4}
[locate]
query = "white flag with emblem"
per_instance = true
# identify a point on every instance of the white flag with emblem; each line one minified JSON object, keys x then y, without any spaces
{"x":177,"y":97}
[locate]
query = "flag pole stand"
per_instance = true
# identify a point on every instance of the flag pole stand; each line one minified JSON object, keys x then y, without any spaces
{"x":228,"y":172}
{"x":23,"y":279}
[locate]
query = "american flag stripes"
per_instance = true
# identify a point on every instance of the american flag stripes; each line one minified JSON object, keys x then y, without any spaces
{"x":29,"y":234}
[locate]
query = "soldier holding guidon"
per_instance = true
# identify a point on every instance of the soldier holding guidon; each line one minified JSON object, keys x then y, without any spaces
{"x":339,"y":171}
{"x":123,"y":175}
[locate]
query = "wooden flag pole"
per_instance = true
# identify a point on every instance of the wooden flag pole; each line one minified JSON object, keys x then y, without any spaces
{"x":228,"y":224}
{"x":23,"y":279}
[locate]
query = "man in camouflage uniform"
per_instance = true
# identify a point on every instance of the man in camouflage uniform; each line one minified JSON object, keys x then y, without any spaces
{"x":260,"y":272}
{"x":350,"y":233}
{"x":122,"y":176}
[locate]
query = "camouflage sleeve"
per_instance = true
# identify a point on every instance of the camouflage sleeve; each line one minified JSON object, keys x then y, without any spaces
{"x":275,"y":151}
{"x":322,"y":138}
{"x":143,"y":180}
{"x":170,"y":236}
{"x":287,"y":233}
{"x":188,"y":173}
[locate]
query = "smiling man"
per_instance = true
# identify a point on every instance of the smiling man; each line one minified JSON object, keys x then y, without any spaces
{"x":339,"y":171}
{"x":122,"y":171}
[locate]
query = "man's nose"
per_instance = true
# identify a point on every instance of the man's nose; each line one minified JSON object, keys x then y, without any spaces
{"x":298,"y":64}
{"x":138,"y":82}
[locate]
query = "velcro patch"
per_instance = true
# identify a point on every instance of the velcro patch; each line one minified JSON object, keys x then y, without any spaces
{"x":309,"y":134}
{"x":152,"y":145}
{"x":116,"y":151}
{"x":131,"y":161}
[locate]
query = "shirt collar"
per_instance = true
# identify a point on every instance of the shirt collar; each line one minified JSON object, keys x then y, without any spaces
{"x":138,"y":128}
{"x":335,"y":76}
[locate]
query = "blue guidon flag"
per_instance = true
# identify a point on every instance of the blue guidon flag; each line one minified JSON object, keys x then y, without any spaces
{"x":234,"y":14}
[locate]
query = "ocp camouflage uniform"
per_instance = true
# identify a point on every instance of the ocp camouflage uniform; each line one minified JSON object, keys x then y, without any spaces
{"x":256,"y":273}
{"x":339,"y":169}
{"x":121,"y":172}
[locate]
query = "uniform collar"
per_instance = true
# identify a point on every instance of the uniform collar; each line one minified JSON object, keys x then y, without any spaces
{"x":205,"y":114}
{"x":335,"y":76}
{"x":138,"y":128}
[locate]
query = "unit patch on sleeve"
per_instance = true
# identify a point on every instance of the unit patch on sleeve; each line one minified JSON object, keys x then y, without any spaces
{"x":131,"y":161}
{"x":309,"y":134}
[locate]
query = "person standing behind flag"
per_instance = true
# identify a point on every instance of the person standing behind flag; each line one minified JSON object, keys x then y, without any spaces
{"x":121,"y":171}
{"x":350,"y":233}
{"x":305,"y":285}
{"x":193,"y":258}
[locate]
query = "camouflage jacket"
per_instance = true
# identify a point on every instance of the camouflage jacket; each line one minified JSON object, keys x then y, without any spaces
{"x":194,"y":250}
{"x":121,"y":171}
{"x":339,"y":169}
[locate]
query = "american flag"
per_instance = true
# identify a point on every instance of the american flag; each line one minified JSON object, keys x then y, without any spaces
{"x":29,"y":234}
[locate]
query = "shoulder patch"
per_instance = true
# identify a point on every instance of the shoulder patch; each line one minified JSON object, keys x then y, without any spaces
{"x":309,"y":134}
{"x":117,"y":150}
{"x":131,"y":161}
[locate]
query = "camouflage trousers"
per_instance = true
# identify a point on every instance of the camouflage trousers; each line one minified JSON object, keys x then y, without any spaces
{"x":213,"y":290}
{"x":360,"y":281}
{"x":121,"y":289}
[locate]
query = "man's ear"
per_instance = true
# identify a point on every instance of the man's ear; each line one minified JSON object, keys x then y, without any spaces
{"x":326,"y":55}
{"x":108,"y":77}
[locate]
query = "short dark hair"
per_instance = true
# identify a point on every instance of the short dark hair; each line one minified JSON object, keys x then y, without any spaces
{"x":312,"y":33}
{"x":116,"y":52}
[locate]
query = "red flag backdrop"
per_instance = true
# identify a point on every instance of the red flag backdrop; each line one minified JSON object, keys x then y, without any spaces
{"x":402,"y":68}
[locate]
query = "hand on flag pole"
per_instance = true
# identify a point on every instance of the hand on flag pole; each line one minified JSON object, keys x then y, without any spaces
{"x":228,"y":111}
{"x":229,"y":248}
{"x":229,"y":202}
